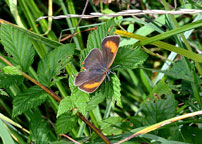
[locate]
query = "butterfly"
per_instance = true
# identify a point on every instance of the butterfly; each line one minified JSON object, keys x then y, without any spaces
{"x":97,"y":65}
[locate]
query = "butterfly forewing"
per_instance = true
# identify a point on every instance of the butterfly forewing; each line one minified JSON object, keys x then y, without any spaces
{"x":109,"y":49}
{"x":93,"y":59}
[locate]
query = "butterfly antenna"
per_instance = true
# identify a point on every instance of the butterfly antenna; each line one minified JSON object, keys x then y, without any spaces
{"x":115,"y":67}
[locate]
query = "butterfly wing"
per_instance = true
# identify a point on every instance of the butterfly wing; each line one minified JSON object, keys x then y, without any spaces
{"x":93,"y":60}
{"x":109,"y":49}
{"x":91,"y":85}
{"x":89,"y":81}
{"x":84,"y":76}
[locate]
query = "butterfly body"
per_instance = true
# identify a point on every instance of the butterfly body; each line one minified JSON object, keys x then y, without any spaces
{"x":97,"y":65}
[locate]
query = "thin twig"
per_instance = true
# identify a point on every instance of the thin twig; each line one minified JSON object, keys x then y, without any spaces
{"x":103,"y":137}
{"x":80,"y":18}
{"x":55,"y":96}
{"x":126,"y":13}
{"x":69,"y":36}
{"x":71,"y":139}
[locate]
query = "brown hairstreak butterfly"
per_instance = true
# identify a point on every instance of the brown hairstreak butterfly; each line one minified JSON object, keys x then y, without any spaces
{"x":97,"y":65}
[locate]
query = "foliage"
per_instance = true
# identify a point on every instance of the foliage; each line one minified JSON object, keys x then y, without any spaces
{"x":17,"y":45}
{"x":30,"y":98}
{"x":158,"y":77}
{"x":53,"y":63}
{"x":65,"y":123}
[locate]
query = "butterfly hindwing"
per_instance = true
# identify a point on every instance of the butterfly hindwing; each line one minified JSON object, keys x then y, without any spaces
{"x":85,"y":76}
{"x":91,"y":85}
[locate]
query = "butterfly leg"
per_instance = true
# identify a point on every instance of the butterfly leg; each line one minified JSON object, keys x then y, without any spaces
{"x":108,"y":77}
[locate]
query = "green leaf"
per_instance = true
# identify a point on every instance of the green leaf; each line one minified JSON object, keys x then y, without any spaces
{"x":96,"y":37}
{"x":160,"y":89}
{"x":107,"y":89}
{"x":65,"y":123}
{"x":54,"y":62}
{"x":130,"y":58}
{"x":11,"y":70}
{"x":80,"y":99}
{"x":29,"y":99}
{"x":18,"y":45}
{"x":173,"y":73}
{"x":93,"y":103}
{"x":159,"y":110}
{"x":179,"y":72}
{"x":8,"y":80}
{"x":111,"y":90}
{"x":191,"y":134}
{"x":34,"y":36}
{"x":5,"y":134}
{"x":66,"y":105}
{"x":130,"y":28}
{"x":111,"y":126}
{"x":116,"y":87}
{"x":40,"y":132}
{"x":71,"y":79}
{"x":3,"y":93}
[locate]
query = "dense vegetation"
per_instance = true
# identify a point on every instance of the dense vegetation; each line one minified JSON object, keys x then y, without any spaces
{"x":157,"y":83}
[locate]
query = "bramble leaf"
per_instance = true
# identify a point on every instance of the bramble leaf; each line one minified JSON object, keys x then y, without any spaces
{"x":92,"y":104}
{"x":17,"y":45}
{"x":29,"y":99}
{"x":9,"y":80}
{"x":130,"y":58}
{"x":40,"y":132}
{"x":65,"y":123}
{"x":110,"y":126}
{"x":54,"y":62}
{"x":178,"y":71}
{"x":66,"y":105}
{"x":11,"y":70}
{"x":116,"y":88}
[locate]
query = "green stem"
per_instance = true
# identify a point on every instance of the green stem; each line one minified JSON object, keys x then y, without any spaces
{"x":108,"y":109}
{"x":97,"y":131}
{"x":82,"y":127}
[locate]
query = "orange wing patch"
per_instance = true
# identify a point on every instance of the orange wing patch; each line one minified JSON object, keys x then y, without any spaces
{"x":93,"y":85}
{"x":111,"y":45}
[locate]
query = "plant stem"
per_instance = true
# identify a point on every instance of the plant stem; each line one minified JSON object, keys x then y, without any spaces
{"x":97,"y":131}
